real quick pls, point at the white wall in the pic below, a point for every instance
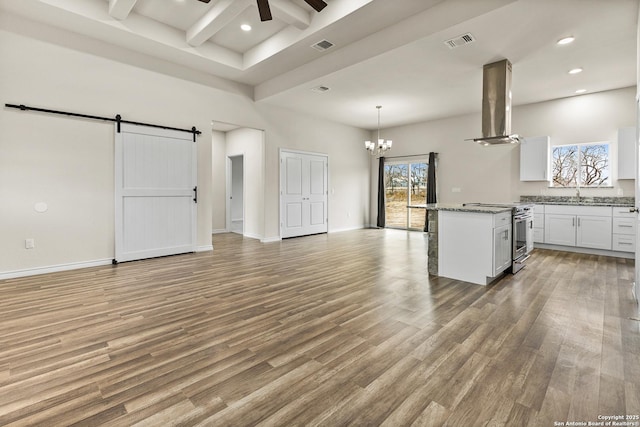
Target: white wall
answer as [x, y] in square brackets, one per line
[491, 174]
[68, 163]
[348, 166]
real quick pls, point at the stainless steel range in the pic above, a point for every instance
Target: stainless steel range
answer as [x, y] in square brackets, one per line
[522, 236]
[522, 231]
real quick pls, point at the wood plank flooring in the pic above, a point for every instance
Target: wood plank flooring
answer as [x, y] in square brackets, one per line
[333, 330]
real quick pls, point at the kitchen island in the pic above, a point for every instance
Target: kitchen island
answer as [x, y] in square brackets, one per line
[469, 243]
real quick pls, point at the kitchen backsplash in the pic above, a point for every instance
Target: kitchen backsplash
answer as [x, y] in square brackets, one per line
[582, 200]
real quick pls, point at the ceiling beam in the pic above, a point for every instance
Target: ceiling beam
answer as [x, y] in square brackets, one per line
[215, 19]
[289, 12]
[120, 9]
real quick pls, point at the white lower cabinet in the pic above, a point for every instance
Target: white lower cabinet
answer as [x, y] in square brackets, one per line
[593, 232]
[560, 229]
[624, 230]
[538, 223]
[581, 226]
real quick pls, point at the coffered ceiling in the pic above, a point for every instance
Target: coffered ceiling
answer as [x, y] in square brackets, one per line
[390, 53]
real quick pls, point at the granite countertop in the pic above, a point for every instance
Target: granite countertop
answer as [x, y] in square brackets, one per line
[461, 208]
[582, 201]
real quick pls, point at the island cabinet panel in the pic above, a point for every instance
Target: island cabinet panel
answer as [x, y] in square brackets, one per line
[502, 249]
[473, 247]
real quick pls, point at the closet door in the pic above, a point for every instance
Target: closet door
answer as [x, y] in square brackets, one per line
[303, 194]
[155, 188]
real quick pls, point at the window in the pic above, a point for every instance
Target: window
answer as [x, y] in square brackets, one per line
[405, 185]
[581, 165]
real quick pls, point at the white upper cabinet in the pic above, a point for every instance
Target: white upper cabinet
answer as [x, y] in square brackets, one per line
[534, 158]
[627, 153]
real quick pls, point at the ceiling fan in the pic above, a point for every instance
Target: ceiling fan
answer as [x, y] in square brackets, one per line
[265, 10]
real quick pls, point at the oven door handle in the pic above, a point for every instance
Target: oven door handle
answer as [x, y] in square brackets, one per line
[521, 260]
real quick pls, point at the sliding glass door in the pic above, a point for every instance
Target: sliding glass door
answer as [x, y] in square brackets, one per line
[405, 188]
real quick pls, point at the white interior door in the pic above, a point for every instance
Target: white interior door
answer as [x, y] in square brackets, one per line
[156, 194]
[303, 194]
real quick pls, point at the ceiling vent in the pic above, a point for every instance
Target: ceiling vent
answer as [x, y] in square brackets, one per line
[460, 40]
[322, 45]
[320, 89]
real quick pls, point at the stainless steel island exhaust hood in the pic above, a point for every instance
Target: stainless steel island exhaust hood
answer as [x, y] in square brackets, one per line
[496, 105]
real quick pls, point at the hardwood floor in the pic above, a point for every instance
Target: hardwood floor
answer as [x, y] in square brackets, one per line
[338, 329]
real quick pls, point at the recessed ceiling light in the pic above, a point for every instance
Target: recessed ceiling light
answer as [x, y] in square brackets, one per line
[581, 91]
[245, 27]
[566, 40]
[575, 71]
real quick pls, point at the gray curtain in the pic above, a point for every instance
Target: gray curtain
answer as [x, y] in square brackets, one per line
[381, 215]
[431, 187]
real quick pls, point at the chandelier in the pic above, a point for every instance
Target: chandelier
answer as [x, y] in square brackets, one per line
[382, 145]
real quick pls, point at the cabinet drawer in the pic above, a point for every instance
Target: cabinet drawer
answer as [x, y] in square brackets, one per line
[578, 210]
[538, 209]
[624, 243]
[624, 226]
[623, 212]
[502, 218]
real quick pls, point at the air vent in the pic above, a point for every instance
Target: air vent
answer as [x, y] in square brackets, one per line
[460, 40]
[320, 89]
[322, 45]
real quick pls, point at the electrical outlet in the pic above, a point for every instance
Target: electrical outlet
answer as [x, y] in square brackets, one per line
[456, 190]
[29, 243]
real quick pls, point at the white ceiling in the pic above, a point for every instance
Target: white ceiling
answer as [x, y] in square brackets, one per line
[386, 52]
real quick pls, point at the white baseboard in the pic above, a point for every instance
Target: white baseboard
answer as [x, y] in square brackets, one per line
[271, 239]
[628, 255]
[53, 268]
[219, 231]
[204, 248]
[340, 230]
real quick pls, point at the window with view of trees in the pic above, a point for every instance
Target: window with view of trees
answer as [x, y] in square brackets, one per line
[406, 184]
[581, 165]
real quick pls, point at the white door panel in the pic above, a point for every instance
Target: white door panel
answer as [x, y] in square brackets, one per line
[294, 215]
[317, 213]
[317, 186]
[293, 173]
[303, 194]
[155, 181]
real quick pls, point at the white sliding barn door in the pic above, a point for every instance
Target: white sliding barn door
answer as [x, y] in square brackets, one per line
[155, 188]
[303, 194]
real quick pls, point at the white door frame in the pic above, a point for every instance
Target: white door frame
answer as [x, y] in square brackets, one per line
[280, 189]
[229, 191]
[636, 283]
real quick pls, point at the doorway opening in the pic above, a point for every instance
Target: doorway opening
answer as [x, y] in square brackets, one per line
[235, 202]
[405, 186]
